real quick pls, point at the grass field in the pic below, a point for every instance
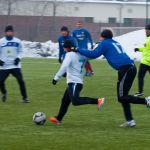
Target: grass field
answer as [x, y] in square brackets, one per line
[83, 128]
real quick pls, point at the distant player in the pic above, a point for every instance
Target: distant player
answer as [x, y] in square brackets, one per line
[10, 56]
[83, 37]
[145, 62]
[73, 65]
[65, 35]
[121, 62]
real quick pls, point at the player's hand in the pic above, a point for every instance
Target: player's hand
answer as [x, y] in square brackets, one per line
[1, 63]
[136, 49]
[64, 75]
[59, 60]
[16, 61]
[54, 82]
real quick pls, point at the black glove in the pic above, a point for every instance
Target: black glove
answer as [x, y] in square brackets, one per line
[16, 62]
[54, 82]
[1, 63]
[92, 46]
[59, 60]
[136, 49]
[64, 75]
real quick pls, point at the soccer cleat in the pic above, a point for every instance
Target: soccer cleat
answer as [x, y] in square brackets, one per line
[54, 120]
[26, 100]
[89, 74]
[4, 97]
[138, 94]
[147, 99]
[101, 102]
[128, 124]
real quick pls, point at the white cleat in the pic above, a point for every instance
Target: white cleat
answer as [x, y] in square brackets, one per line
[128, 124]
[148, 101]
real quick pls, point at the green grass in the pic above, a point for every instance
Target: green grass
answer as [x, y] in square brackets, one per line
[83, 128]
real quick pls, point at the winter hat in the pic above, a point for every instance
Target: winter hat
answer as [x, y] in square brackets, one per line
[68, 44]
[9, 28]
[147, 27]
[107, 34]
[64, 28]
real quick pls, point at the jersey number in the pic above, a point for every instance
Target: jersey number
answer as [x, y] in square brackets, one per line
[118, 48]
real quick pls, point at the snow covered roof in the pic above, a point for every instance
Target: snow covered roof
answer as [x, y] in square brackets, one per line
[138, 2]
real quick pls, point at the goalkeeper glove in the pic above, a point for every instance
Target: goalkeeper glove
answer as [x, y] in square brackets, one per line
[1, 63]
[136, 49]
[16, 61]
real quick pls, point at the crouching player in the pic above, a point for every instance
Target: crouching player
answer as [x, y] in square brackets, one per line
[73, 65]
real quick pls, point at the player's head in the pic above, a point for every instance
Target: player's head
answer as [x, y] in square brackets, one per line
[9, 31]
[106, 34]
[64, 31]
[79, 24]
[147, 30]
[68, 45]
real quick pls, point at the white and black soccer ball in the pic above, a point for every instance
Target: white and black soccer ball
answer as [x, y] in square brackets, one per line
[39, 118]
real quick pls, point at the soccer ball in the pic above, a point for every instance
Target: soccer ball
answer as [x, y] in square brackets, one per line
[39, 118]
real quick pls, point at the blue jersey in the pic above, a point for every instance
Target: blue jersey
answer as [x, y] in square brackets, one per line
[112, 51]
[83, 37]
[61, 41]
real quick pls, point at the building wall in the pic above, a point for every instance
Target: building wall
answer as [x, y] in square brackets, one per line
[99, 11]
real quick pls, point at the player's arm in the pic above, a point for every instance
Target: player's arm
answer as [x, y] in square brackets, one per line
[98, 51]
[146, 46]
[1, 59]
[63, 68]
[19, 53]
[89, 37]
[20, 50]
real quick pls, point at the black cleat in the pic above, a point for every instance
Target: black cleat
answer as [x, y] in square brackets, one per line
[4, 98]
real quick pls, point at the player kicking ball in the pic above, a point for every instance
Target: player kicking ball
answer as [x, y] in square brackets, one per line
[73, 65]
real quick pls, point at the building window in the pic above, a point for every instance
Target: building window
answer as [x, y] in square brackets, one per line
[112, 20]
[88, 19]
[128, 21]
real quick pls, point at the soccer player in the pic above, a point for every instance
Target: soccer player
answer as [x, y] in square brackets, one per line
[145, 62]
[83, 36]
[10, 56]
[62, 38]
[73, 65]
[120, 61]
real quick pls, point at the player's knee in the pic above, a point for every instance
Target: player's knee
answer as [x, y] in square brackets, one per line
[75, 102]
[21, 81]
[121, 99]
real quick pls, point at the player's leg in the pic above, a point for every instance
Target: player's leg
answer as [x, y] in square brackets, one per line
[74, 91]
[18, 75]
[3, 76]
[141, 75]
[65, 102]
[89, 70]
[125, 79]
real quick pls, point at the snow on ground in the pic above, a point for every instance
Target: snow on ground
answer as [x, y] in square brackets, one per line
[49, 49]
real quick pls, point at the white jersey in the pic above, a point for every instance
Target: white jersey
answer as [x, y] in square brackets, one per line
[9, 51]
[72, 65]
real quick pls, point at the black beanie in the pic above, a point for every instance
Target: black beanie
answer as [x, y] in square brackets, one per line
[64, 28]
[107, 34]
[68, 44]
[9, 28]
[147, 27]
